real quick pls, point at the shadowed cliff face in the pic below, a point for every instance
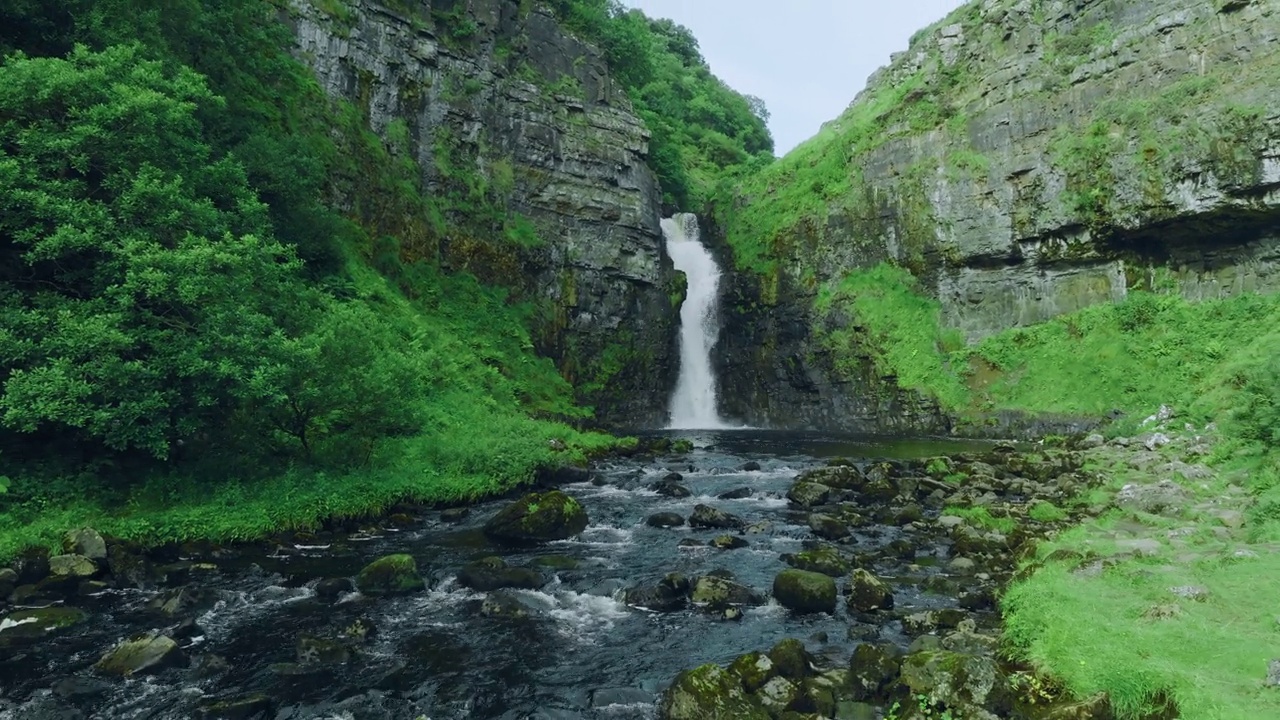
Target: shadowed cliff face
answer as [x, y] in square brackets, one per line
[502, 102]
[1023, 159]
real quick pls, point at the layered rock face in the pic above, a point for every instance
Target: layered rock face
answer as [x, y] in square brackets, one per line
[502, 91]
[1025, 159]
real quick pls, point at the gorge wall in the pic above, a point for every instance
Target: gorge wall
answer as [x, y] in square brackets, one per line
[1022, 159]
[497, 93]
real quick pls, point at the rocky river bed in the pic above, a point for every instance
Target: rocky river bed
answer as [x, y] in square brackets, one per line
[801, 575]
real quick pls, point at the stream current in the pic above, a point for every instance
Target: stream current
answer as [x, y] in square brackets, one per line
[583, 653]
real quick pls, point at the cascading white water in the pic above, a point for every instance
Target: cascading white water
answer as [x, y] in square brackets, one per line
[693, 406]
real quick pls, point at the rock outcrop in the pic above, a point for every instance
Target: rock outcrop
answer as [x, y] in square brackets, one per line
[499, 91]
[1023, 159]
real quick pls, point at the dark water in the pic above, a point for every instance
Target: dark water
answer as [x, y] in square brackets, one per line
[584, 654]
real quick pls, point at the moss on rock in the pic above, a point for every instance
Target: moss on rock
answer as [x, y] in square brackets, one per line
[709, 693]
[805, 592]
[538, 517]
[390, 575]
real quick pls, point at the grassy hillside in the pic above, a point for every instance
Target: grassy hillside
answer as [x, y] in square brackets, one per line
[196, 342]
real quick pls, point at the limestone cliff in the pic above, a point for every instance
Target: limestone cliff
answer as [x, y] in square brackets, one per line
[497, 92]
[1023, 159]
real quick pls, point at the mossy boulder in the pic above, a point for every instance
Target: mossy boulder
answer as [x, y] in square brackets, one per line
[36, 623]
[951, 679]
[718, 592]
[240, 708]
[866, 593]
[390, 575]
[705, 516]
[315, 650]
[77, 566]
[872, 670]
[753, 670]
[825, 559]
[841, 477]
[791, 660]
[805, 592]
[87, 542]
[708, 693]
[142, 655]
[492, 573]
[538, 517]
[808, 494]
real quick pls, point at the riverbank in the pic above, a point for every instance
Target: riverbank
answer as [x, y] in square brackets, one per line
[456, 466]
[1134, 576]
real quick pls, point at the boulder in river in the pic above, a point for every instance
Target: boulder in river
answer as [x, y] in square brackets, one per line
[664, 520]
[728, 542]
[705, 516]
[314, 650]
[142, 655]
[840, 477]
[718, 592]
[181, 601]
[866, 593]
[77, 566]
[960, 682]
[390, 575]
[87, 542]
[736, 494]
[827, 527]
[668, 595]
[708, 693]
[492, 573]
[824, 558]
[505, 604]
[244, 707]
[872, 670]
[35, 623]
[331, 588]
[671, 488]
[805, 592]
[538, 517]
[808, 494]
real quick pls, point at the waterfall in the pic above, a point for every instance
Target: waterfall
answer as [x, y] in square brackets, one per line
[693, 406]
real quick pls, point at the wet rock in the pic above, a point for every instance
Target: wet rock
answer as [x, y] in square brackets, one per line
[1273, 673]
[879, 490]
[902, 549]
[360, 630]
[840, 477]
[667, 595]
[1093, 440]
[8, 581]
[142, 655]
[736, 494]
[808, 494]
[717, 592]
[968, 642]
[962, 566]
[750, 466]
[77, 566]
[828, 527]
[705, 516]
[690, 543]
[867, 593]
[1163, 498]
[729, 614]
[36, 623]
[454, 515]
[209, 665]
[753, 670]
[538, 517]
[961, 682]
[805, 592]
[729, 542]
[873, 669]
[504, 604]
[331, 589]
[87, 542]
[390, 575]
[908, 514]
[791, 660]
[247, 707]
[128, 564]
[665, 520]
[708, 693]
[314, 650]
[671, 488]
[759, 528]
[492, 573]
[825, 559]
[181, 601]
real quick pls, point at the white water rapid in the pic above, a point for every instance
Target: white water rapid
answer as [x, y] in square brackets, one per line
[693, 406]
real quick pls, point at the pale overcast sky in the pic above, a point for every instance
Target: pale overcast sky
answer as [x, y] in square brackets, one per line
[805, 58]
